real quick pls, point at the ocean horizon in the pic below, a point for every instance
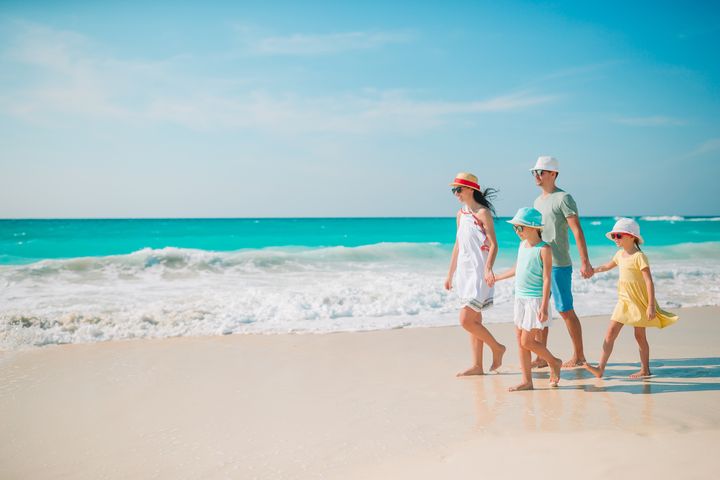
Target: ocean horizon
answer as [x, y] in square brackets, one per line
[88, 280]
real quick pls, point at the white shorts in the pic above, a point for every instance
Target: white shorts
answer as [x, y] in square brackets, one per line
[526, 314]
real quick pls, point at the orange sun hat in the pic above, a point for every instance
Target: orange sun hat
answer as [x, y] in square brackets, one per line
[464, 179]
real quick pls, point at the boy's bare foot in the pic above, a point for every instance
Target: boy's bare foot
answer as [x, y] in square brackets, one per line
[574, 362]
[641, 374]
[497, 358]
[538, 363]
[597, 371]
[474, 370]
[521, 387]
[555, 374]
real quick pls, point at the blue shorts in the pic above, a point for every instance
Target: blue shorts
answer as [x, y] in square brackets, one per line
[561, 288]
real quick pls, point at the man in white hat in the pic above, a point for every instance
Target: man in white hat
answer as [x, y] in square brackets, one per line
[559, 212]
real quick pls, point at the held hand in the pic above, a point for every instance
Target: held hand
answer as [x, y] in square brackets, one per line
[489, 277]
[448, 283]
[651, 312]
[542, 314]
[587, 270]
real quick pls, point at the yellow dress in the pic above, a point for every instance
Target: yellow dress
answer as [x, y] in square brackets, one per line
[631, 308]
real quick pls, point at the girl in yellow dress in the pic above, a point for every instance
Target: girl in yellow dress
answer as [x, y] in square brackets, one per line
[636, 305]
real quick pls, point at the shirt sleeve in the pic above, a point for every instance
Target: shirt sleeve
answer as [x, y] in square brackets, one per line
[568, 206]
[641, 261]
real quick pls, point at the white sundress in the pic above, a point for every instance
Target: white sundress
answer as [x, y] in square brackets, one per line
[473, 251]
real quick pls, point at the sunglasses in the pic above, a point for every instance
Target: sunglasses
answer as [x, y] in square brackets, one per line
[617, 236]
[537, 173]
[518, 228]
[456, 190]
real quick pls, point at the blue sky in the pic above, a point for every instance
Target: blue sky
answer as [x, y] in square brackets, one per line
[245, 109]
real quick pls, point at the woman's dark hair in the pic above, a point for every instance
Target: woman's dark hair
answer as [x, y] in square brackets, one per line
[483, 198]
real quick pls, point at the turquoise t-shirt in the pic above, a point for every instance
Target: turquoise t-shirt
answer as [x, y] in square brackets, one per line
[555, 209]
[529, 271]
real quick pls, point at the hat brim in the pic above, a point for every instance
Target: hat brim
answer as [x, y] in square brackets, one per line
[639, 238]
[461, 185]
[546, 169]
[515, 222]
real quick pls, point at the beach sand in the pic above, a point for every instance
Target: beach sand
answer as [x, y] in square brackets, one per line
[370, 405]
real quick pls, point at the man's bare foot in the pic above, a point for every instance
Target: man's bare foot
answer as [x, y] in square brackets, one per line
[597, 371]
[521, 387]
[555, 374]
[497, 358]
[574, 362]
[538, 363]
[641, 374]
[474, 370]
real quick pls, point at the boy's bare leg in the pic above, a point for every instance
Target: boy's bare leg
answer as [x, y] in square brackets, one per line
[608, 344]
[525, 356]
[641, 337]
[529, 342]
[541, 337]
[477, 349]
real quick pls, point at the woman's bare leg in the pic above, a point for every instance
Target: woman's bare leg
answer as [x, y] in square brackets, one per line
[472, 322]
[477, 349]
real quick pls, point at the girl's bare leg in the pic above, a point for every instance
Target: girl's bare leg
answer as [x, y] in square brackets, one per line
[529, 342]
[472, 322]
[608, 344]
[477, 349]
[527, 383]
[641, 338]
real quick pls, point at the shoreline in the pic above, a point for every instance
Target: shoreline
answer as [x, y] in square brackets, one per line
[370, 404]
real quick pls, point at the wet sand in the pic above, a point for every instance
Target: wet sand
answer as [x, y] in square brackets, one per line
[359, 405]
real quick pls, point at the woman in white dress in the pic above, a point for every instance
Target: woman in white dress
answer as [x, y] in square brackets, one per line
[471, 267]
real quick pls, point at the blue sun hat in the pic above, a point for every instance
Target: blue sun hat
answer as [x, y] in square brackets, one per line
[528, 217]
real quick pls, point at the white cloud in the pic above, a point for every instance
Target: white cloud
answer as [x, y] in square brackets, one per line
[651, 121]
[73, 80]
[322, 44]
[708, 146]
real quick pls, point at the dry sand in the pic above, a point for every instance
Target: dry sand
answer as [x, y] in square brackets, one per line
[359, 405]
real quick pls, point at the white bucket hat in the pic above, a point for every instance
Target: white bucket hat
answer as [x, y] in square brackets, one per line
[627, 226]
[545, 162]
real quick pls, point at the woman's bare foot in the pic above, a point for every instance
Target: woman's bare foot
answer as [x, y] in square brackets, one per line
[521, 387]
[555, 373]
[597, 371]
[474, 370]
[641, 374]
[497, 358]
[574, 362]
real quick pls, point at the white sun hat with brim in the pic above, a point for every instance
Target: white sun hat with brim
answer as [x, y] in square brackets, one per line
[546, 162]
[627, 226]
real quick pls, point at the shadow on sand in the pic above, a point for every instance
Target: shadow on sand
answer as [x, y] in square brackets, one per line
[669, 376]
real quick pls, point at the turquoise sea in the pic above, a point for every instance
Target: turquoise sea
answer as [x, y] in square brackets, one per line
[67, 281]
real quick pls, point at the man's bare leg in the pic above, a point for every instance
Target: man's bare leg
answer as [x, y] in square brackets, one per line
[572, 322]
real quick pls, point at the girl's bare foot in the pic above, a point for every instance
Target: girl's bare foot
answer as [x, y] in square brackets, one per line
[574, 362]
[597, 371]
[521, 387]
[497, 358]
[641, 374]
[555, 374]
[474, 370]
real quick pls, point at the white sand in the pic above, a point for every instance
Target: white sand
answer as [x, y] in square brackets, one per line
[358, 405]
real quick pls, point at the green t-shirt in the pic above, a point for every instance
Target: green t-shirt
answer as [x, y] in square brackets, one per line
[555, 209]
